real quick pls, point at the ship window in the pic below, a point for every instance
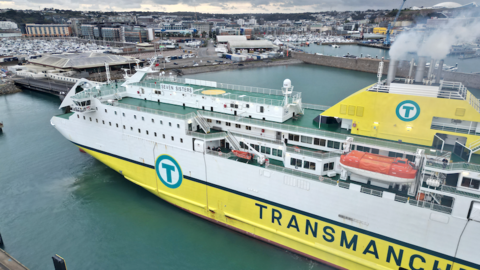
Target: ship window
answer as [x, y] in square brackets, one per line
[116, 125]
[123, 126]
[228, 124]
[276, 152]
[153, 121]
[257, 148]
[103, 122]
[146, 132]
[134, 117]
[209, 120]
[131, 128]
[105, 110]
[84, 117]
[409, 157]
[164, 136]
[395, 154]
[265, 150]
[181, 140]
[247, 105]
[78, 116]
[336, 145]
[218, 122]
[328, 166]
[96, 120]
[306, 139]
[296, 162]
[178, 125]
[110, 123]
[375, 151]
[155, 134]
[161, 122]
[294, 137]
[248, 127]
[115, 112]
[232, 105]
[143, 118]
[170, 123]
[139, 131]
[123, 114]
[238, 125]
[470, 183]
[172, 138]
[320, 142]
[90, 119]
[309, 165]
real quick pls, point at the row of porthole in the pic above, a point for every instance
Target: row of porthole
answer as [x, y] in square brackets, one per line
[143, 119]
[131, 128]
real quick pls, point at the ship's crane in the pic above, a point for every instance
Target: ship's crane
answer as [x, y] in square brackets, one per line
[387, 38]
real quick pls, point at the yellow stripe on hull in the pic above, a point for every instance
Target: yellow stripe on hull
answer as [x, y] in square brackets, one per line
[314, 237]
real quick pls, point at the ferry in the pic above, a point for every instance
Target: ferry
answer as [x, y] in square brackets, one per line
[264, 163]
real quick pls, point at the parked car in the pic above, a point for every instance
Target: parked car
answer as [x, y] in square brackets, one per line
[175, 63]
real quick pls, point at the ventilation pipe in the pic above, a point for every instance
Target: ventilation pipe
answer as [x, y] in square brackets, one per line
[392, 71]
[439, 71]
[420, 69]
[433, 62]
[410, 78]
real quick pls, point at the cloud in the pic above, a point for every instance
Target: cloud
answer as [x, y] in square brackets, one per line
[238, 6]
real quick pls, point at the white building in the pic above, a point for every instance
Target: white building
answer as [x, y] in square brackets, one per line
[8, 25]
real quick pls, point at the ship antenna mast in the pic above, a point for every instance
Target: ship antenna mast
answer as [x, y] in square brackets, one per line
[287, 90]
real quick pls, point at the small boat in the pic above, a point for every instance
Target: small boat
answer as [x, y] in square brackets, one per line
[242, 154]
[335, 46]
[382, 168]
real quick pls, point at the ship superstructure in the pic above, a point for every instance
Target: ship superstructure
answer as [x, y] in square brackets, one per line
[261, 162]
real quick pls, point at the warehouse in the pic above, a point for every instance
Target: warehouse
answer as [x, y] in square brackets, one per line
[251, 45]
[224, 39]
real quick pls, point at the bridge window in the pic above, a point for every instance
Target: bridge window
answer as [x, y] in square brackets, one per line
[178, 125]
[146, 132]
[90, 119]
[172, 138]
[110, 123]
[103, 122]
[134, 117]
[328, 166]
[105, 110]
[96, 120]
[164, 136]
[161, 122]
[123, 114]
[248, 127]
[153, 121]
[170, 123]
[84, 117]
[228, 124]
[218, 122]
[209, 120]
[116, 125]
[139, 131]
[181, 140]
[123, 126]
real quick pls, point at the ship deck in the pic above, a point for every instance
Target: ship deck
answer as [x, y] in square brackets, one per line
[198, 89]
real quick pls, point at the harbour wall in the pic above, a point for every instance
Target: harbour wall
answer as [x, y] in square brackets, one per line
[253, 64]
[470, 80]
[8, 88]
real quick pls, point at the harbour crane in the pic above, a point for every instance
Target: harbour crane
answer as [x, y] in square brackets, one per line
[387, 38]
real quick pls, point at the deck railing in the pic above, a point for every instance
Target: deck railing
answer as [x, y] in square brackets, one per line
[209, 136]
[319, 155]
[104, 90]
[460, 93]
[455, 166]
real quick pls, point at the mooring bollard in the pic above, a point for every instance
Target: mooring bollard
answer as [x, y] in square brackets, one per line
[59, 263]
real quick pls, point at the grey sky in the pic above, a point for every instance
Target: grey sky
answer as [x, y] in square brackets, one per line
[218, 6]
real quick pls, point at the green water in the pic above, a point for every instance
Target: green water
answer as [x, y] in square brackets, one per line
[56, 200]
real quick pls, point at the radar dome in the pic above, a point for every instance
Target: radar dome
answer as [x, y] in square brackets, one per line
[287, 83]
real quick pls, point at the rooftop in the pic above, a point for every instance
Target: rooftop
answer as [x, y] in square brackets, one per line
[81, 60]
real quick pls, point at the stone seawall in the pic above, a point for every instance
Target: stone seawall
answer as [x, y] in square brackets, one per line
[253, 64]
[8, 88]
[371, 66]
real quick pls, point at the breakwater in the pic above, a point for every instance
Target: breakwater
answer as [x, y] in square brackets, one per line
[371, 66]
[8, 88]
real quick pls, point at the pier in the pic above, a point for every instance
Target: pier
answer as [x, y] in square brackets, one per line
[7, 262]
[57, 88]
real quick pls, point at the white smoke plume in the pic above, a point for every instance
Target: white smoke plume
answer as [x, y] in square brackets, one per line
[436, 43]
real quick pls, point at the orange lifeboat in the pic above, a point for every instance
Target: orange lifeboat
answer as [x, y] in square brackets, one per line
[242, 154]
[387, 169]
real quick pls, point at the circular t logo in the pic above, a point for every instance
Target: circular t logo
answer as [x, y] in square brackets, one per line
[408, 110]
[168, 171]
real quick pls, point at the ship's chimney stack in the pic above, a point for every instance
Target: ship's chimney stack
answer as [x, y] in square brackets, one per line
[392, 71]
[422, 61]
[439, 71]
[410, 72]
[433, 63]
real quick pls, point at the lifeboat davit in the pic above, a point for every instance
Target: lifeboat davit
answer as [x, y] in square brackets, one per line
[386, 169]
[242, 154]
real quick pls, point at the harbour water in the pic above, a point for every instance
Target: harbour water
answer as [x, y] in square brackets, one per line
[56, 200]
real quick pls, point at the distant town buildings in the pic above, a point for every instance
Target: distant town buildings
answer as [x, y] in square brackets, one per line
[48, 30]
